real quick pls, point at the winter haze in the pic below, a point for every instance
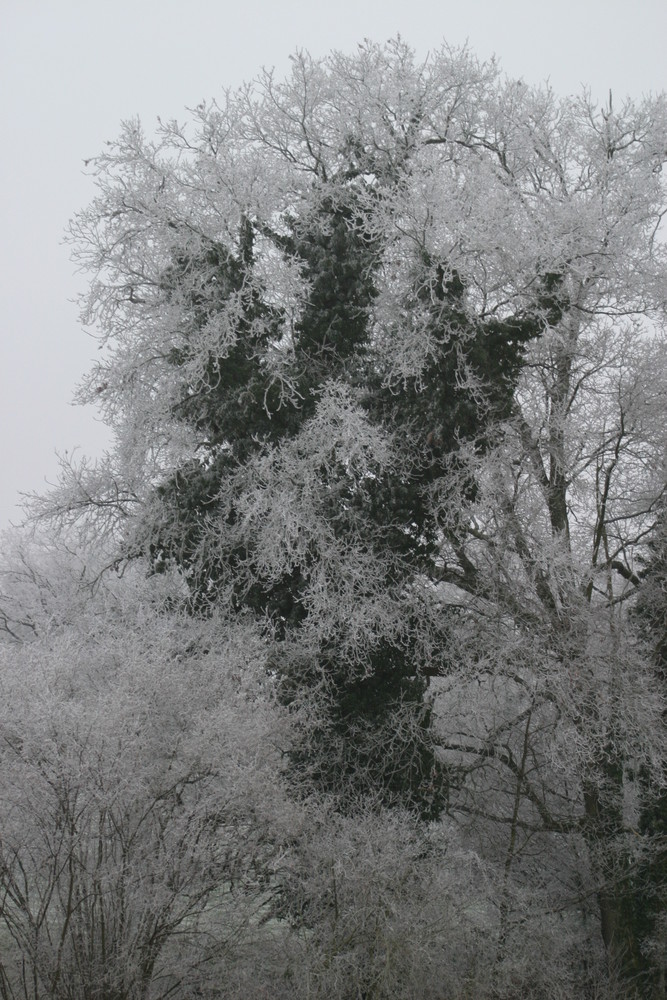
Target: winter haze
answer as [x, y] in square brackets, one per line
[71, 71]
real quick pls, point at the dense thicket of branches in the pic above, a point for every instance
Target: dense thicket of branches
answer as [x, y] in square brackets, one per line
[385, 358]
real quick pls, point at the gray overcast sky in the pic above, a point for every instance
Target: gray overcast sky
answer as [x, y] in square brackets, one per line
[71, 70]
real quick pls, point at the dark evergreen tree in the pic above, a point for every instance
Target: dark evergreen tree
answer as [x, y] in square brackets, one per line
[238, 412]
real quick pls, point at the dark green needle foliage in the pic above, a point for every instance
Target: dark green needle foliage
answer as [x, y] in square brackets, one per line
[373, 740]
[228, 405]
[434, 415]
[338, 263]
[375, 737]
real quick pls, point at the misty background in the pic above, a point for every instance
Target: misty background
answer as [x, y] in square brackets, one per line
[71, 71]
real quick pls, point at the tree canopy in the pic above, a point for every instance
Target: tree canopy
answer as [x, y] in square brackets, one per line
[384, 353]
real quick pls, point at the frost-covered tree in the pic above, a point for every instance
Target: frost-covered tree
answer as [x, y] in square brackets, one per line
[134, 753]
[49, 579]
[385, 360]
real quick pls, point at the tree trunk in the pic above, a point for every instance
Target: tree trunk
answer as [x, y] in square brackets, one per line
[610, 864]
